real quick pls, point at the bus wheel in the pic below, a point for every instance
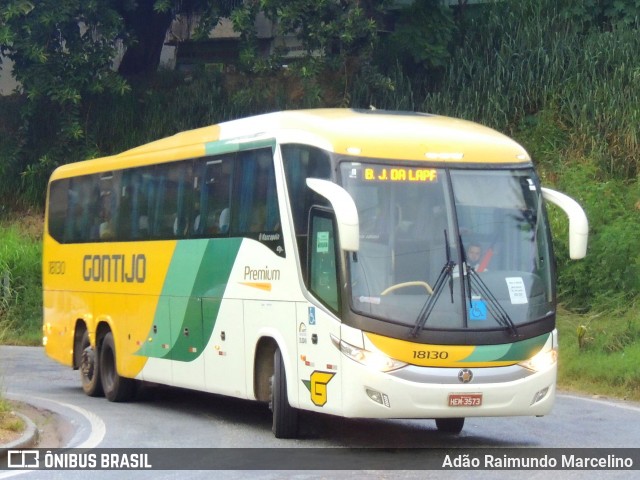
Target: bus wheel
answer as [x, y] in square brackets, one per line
[116, 388]
[89, 367]
[285, 417]
[450, 425]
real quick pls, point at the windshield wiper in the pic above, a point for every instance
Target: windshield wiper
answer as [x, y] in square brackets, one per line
[493, 304]
[445, 273]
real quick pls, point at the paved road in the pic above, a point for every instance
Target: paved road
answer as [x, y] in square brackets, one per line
[164, 417]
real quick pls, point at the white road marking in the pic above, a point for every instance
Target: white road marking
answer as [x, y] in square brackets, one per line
[609, 403]
[97, 427]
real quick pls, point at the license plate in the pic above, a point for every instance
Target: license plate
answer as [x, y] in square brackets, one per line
[465, 399]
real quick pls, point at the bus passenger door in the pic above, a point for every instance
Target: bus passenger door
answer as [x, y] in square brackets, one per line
[318, 360]
[318, 357]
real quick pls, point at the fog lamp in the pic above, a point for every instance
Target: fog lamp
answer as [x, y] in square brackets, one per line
[378, 397]
[540, 395]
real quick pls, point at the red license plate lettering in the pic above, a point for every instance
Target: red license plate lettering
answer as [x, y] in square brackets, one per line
[465, 399]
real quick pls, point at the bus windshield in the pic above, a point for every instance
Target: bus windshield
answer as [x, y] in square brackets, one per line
[449, 249]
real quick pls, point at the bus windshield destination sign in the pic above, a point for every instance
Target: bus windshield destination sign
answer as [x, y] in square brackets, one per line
[379, 173]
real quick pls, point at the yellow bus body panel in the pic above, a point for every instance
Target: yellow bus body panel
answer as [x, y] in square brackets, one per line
[69, 297]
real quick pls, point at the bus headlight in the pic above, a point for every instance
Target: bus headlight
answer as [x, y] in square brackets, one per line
[373, 359]
[543, 360]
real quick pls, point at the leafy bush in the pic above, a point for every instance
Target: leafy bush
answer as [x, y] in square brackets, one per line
[610, 274]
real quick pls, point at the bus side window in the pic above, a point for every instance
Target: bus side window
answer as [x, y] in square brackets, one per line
[75, 207]
[302, 162]
[108, 209]
[173, 204]
[323, 274]
[74, 213]
[58, 207]
[212, 191]
[126, 193]
[255, 194]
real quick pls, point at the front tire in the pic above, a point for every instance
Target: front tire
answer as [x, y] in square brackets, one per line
[89, 367]
[116, 388]
[285, 417]
[450, 425]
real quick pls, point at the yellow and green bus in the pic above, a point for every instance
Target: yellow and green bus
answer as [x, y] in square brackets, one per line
[357, 263]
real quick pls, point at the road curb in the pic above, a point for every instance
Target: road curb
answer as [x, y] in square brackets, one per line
[28, 439]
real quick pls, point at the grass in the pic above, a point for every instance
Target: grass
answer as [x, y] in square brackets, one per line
[21, 280]
[11, 427]
[8, 421]
[599, 353]
[522, 57]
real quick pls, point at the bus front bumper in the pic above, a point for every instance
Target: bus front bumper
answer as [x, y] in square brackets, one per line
[447, 392]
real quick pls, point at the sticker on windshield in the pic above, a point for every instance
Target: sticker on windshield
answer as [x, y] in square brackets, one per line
[322, 242]
[373, 300]
[532, 186]
[517, 290]
[478, 310]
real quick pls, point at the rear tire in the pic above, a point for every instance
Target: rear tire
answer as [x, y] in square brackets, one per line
[89, 367]
[450, 425]
[116, 388]
[285, 417]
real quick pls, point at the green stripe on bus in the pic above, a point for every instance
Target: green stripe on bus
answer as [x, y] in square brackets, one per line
[527, 348]
[237, 144]
[206, 295]
[515, 352]
[188, 307]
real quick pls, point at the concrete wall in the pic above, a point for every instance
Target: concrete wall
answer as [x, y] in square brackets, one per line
[7, 83]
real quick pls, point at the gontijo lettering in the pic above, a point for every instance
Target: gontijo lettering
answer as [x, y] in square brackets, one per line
[115, 268]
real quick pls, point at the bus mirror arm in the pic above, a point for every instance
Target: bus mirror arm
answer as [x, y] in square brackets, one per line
[345, 211]
[578, 223]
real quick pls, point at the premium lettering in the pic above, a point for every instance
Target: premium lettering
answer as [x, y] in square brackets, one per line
[265, 273]
[115, 268]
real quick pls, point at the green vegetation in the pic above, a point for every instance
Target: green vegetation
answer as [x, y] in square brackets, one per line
[599, 354]
[10, 424]
[20, 281]
[561, 78]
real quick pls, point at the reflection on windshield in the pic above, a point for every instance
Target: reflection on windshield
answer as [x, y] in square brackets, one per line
[421, 227]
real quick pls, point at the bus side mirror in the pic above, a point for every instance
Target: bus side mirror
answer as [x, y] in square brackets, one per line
[345, 211]
[578, 223]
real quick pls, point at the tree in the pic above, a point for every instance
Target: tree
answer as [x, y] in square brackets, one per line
[62, 51]
[422, 37]
[338, 38]
[147, 23]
